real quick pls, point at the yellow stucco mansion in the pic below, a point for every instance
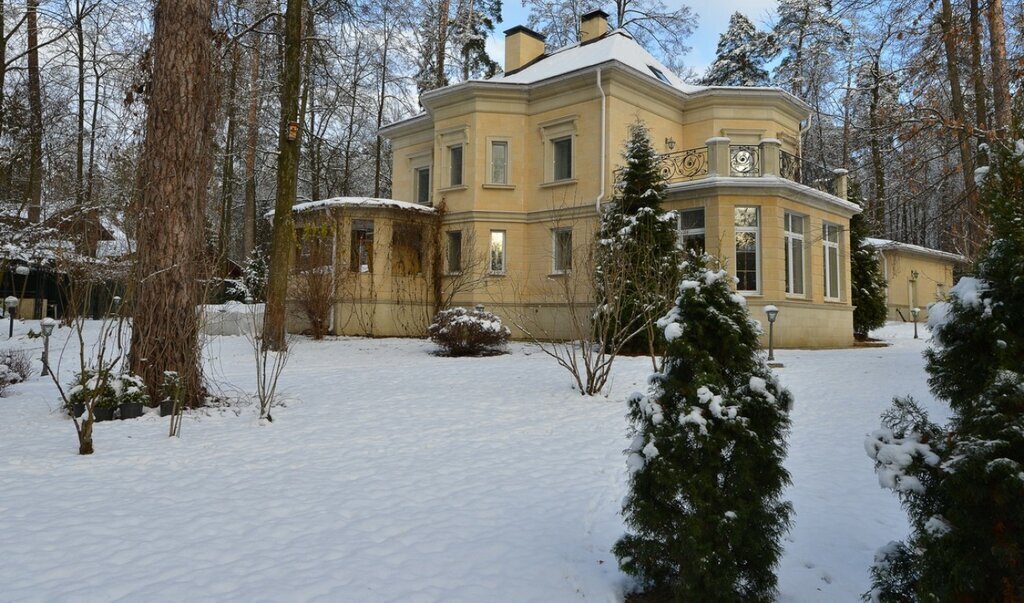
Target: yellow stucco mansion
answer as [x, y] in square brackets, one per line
[498, 181]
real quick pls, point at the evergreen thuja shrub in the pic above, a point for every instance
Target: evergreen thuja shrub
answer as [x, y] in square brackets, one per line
[962, 484]
[462, 332]
[867, 281]
[636, 246]
[704, 509]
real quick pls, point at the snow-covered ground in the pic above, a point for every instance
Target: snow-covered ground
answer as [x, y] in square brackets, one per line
[396, 475]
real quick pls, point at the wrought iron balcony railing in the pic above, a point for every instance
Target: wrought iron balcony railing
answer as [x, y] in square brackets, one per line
[684, 165]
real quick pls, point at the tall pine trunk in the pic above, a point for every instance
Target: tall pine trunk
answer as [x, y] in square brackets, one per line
[252, 141]
[174, 173]
[227, 187]
[34, 196]
[287, 178]
[949, 39]
[1000, 70]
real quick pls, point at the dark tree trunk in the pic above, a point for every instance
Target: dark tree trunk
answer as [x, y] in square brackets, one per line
[34, 196]
[949, 38]
[252, 140]
[287, 178]
[227, 187]
[1000, 70]
[174, 173]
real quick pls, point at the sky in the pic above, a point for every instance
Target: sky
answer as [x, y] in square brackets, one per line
[713, 19]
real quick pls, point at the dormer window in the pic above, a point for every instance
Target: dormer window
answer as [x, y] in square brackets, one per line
[659, 74]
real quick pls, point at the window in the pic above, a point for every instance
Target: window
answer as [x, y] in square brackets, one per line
[830, 239]
[747, 220]
[499, 162]
[691, 230]
[454, 251]
[423, 185]
[658, 74]
[455, 165]
[794, 254]
[562, 153]
[498, 251]
[561, 243]
[406, 249]
[362, 246]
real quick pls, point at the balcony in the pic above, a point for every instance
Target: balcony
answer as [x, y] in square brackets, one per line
[721, 158]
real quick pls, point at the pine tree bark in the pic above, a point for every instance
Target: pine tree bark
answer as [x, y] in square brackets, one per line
[227, 187]
[287, 178]
[1000, 70]
[34, 195]
[251, 143]
[949, 39]
[175, 169]
[977, 68]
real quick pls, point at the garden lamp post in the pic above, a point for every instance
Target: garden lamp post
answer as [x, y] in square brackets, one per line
[914, 312]
[772, 313]
[116, 303]
[11, 303]
[46, 326]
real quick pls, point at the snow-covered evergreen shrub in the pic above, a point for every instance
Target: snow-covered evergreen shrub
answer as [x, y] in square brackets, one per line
[705, 507]
[462, 332]
[253, 284]
[867, 281]
[114, 390]
[636, 244]
[962, 484]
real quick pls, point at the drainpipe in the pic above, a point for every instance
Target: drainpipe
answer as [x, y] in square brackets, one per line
[334, 276]
[604, 103]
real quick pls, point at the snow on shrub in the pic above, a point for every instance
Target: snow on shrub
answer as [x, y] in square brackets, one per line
[462, 332]
[15, 367]
[124, 388]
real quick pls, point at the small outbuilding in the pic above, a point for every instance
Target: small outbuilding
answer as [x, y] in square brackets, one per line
[915, 276]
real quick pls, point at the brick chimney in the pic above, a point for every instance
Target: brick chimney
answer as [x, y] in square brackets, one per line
[593, 25]
[522, 45]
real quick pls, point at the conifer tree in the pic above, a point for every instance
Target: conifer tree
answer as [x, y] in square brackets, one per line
[741, 57]
[640, 238]
[705, 507]
[961, 484]
[867, 280]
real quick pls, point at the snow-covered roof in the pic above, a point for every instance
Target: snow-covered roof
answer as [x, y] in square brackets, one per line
[367, 202]
[872, 243]
[616, 45]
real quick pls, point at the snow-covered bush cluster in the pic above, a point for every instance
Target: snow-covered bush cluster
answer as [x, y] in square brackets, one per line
[962, 484]
[462, 332]
[705, 507]
[15, 367]
[108, 390]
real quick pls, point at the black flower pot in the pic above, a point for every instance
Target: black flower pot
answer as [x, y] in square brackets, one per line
[131, 410]
[166, 408]
[77, 409]
[103, 414]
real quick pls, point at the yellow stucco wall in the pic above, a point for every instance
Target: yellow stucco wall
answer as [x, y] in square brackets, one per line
[934, 277]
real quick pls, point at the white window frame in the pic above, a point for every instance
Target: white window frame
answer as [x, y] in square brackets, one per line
[449, 150]
[416, 184]
[418, 161]
[448, 252]
[826, 246]
[556, 251]
[789, 237]
[554, 158]
[507, 143]
[504, 252]
[552, 132]
[756, 231]
[685, 233]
